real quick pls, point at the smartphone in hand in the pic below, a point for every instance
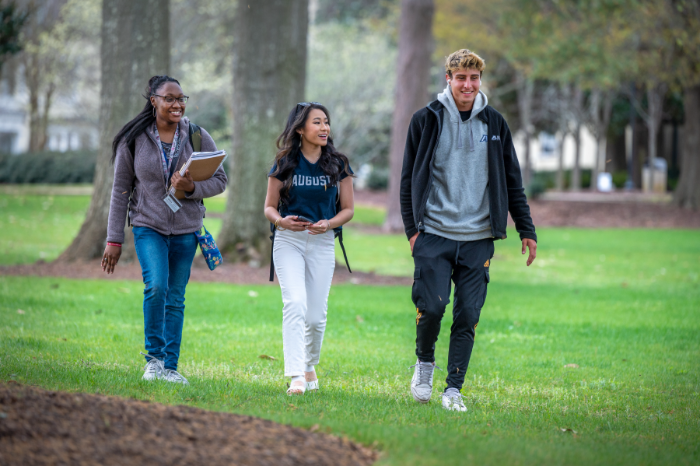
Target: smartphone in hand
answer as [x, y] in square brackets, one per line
[301, 218]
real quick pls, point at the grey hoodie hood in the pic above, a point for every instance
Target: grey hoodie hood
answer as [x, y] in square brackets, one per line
[480, 103]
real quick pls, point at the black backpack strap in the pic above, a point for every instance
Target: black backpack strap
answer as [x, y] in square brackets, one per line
[339, 235]
[272, 254]
[195, 137]
[196, 142]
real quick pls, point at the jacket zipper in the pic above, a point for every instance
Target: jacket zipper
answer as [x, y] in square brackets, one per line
[171, 214]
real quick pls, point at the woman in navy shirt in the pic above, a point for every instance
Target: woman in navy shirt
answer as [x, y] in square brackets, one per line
[307, 183]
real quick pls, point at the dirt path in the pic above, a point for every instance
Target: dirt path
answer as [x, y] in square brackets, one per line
[39, 427]
[226, 273]
[588, 210]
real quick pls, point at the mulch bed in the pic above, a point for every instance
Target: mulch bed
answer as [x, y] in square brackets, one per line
[39, 427]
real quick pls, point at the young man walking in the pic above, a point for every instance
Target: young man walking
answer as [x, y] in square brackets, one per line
[460, 178]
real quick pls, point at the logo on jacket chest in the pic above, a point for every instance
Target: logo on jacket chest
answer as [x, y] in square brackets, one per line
[485, 138]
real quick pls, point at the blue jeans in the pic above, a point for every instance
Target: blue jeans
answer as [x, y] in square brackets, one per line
[165, 264]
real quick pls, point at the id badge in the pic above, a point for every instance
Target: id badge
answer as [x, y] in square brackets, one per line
[172, 202]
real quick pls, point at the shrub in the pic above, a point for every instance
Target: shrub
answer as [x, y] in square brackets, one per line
[48, 167]
[378, 179]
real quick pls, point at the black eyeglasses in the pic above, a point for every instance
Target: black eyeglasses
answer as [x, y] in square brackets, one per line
[306, 104]
[170, 99]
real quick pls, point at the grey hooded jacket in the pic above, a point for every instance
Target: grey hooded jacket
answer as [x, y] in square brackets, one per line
[458, 204]
[144, 172]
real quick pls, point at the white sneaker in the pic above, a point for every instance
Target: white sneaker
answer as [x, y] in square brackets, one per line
[422, 381]
[174, 377]
[154, 368]
[452, 400]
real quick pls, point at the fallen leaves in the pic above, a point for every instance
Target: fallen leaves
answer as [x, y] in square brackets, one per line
[572, 366]
[20, 311]
[314, 428]
[265, 356]
[567, 430]
[359, 319]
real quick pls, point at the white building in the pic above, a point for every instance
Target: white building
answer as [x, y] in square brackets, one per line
[70, 127]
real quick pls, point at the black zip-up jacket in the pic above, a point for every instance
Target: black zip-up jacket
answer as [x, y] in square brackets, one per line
[506, 192]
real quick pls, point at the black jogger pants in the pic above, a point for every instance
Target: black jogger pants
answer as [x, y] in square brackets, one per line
[439, 261]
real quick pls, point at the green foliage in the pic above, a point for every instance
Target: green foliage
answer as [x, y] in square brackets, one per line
[378, 179]
[624, 317]
[361, 111]
[48, 167]
[619, 178]
[11, 22]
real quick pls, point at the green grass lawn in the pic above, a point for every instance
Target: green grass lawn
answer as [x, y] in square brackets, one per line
[23, 208]
[621, 305]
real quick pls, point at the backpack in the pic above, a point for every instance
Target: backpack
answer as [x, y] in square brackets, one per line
[195, 133]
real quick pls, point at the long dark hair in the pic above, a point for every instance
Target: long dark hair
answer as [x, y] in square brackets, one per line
[331, 162]
[144, 119]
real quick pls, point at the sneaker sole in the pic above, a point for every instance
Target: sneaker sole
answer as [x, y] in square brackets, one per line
[420, 400]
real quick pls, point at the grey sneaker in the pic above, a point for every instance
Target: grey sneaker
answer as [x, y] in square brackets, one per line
[422, 381]
[174, 377]
[154, 368]
[452, 400]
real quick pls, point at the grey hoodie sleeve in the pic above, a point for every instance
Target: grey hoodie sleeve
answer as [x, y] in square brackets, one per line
[214, 185]
[119, 204]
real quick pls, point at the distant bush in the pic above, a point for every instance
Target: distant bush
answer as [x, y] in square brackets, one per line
[544, 180]
[378, 179]
[48, 167]
[619, 178]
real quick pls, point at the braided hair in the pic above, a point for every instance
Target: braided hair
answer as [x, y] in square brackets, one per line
[332, 162]
[144, 119]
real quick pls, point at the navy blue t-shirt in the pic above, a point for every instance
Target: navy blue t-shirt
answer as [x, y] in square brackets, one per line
[311, 194]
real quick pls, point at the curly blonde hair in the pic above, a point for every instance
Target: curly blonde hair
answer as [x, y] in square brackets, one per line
[463, 59]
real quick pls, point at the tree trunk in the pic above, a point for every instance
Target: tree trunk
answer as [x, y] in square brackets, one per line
[576, 170]
[601, 111]
[526, 90]
[413, 78]
[269, 75]
[578, 114]
[135, 46]
[560, 162]
[564, 118]
[595, 124]
[687, 193]
[31, 76]
[655, 96]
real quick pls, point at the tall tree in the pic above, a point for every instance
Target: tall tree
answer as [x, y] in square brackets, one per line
[412, 78]
[687, 39]
[269, 74]
[135, 46]
[598, 122]
[688, 192]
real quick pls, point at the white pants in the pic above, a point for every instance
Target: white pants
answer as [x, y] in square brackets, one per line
[304, 264]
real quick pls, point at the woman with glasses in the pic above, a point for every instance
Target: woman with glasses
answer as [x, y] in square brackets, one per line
[309, 195]
[147, 154]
